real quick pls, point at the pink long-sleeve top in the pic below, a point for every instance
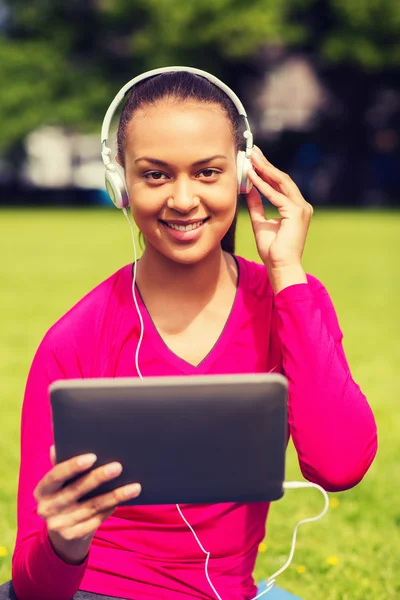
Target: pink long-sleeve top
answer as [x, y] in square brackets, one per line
[149, 552]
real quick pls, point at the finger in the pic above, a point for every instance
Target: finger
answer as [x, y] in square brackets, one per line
[70, 494]
[273, 183]
[278, 179]
[86, 529]
[259, 223]
[90, 508]
[59, 474]
[276, 198]
[283, 182]
[53, 455]
[255, 206]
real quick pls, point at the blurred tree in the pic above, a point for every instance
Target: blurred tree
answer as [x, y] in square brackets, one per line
[365, 33]
[61, 62]
[357, 44]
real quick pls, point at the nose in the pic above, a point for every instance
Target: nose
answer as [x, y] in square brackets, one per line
[183, 198]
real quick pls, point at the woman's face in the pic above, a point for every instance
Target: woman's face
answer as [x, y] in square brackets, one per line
[180, 170]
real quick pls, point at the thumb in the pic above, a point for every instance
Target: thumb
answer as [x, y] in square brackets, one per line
[255, 206]
[53, 455]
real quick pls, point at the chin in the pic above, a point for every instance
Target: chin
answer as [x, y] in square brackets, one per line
[188, 254]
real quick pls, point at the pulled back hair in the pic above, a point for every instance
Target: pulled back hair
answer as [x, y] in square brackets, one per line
[181, 86]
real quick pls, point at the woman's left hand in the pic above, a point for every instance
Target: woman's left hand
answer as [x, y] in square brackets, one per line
[280, 242]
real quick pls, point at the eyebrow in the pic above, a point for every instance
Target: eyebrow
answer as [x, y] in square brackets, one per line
[162, 163]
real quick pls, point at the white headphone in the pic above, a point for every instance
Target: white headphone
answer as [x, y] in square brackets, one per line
[115, 183]
[114, 174]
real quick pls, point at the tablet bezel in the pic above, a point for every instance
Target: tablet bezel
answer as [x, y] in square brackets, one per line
[253, 477]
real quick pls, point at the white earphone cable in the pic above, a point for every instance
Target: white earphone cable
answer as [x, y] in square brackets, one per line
[134, 295]
[287, 485]
[270, 582]
[202, 549]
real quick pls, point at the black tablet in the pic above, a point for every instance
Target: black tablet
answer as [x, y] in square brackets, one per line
[189, 439]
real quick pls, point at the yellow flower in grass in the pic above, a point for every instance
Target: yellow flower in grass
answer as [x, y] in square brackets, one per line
[333, 502]
[301, 569]
[332, 560]
[3, 551]
[262, 547]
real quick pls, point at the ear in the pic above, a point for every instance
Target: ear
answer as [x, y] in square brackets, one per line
[118, 160]
[115, 184]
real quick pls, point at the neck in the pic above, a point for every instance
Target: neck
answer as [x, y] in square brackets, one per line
[195, 281]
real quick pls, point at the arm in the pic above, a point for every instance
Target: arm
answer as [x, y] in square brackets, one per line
[37, 572]
[331, 423]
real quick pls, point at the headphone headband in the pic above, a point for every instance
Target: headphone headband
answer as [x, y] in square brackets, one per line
[114, 175]
[105, 129]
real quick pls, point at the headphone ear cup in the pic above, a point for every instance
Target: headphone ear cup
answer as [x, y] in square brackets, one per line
[115, 185]
[243, 166]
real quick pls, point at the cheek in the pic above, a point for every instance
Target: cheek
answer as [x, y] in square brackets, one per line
[145, 204]
[223, 201]
[144, 200]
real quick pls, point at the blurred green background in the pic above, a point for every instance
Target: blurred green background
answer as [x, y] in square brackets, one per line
[320, 81]
[51, 258]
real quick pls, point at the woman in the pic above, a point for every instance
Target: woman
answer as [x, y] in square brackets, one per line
[206, 311]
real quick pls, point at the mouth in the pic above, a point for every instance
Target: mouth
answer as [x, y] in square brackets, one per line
[181, 231]
[182, 226]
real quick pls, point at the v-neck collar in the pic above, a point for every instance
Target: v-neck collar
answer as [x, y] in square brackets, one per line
[162, 349]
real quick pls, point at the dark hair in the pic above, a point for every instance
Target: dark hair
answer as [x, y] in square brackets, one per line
[181, 85]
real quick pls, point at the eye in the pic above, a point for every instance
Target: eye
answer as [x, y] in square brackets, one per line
[209, 173]
[155, 176]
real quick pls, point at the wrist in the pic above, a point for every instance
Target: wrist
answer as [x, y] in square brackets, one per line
[283, 277]
[72, 552]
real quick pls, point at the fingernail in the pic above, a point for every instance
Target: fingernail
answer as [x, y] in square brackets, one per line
[257, 150]
[87, 460]
[113, 469]
[132, 489]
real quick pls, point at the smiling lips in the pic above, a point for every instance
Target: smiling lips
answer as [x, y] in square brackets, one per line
[185, 225]
[185, 230]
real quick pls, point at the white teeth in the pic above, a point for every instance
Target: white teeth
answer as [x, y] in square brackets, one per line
[185, 227]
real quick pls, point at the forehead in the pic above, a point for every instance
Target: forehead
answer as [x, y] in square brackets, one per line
[192, 126]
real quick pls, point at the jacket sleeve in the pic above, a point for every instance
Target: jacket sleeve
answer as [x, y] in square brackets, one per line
[37, 572]
[331, 423]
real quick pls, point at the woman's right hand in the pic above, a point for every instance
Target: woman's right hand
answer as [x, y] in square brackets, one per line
[71, 524]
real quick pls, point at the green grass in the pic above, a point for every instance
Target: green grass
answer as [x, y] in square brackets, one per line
[49, 259]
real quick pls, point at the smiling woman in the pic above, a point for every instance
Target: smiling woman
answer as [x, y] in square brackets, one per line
[184, 209]
[184, 194]
[205, 311]
[192, 189]
[191, 132]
